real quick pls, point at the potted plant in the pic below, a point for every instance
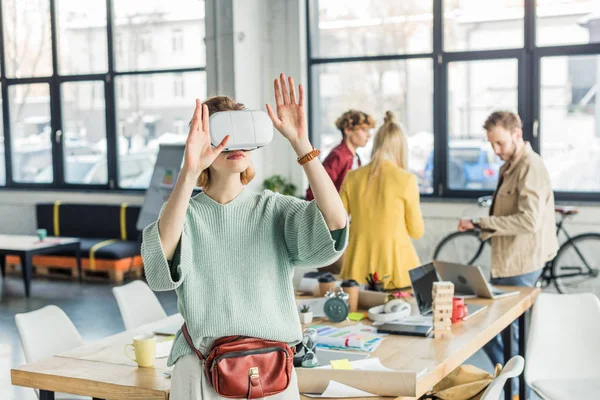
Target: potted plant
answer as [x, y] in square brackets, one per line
[277, 183]
[306, 315]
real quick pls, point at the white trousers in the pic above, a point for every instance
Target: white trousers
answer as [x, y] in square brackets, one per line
[189, 382]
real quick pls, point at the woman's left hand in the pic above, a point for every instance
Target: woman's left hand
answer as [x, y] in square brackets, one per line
[290, 120]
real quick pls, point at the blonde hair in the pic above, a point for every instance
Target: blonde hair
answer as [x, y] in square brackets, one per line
[389, 145]
[216, 104]
[353, 118]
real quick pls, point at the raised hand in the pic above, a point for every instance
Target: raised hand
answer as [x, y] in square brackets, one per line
[199, 153]
[290, 120]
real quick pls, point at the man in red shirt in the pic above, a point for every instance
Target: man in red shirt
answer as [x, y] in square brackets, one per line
[354, 126]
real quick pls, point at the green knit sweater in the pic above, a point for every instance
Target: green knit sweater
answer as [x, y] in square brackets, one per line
[233, 267]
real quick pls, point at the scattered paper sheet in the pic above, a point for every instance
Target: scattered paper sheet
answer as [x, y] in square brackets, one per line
[339, 390]
[163, 348]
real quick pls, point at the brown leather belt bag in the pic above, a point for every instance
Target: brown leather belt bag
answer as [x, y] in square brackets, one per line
[240, 367]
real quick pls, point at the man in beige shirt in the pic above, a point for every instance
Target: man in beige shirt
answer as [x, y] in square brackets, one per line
[522, 220]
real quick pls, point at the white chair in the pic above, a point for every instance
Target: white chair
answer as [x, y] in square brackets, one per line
[46, 332]
[512, 369]
[563, 350]
[138, 304]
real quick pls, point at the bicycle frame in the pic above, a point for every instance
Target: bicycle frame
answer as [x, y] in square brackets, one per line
[560, 228]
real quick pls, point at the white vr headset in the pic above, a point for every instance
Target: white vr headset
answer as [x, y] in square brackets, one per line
[248, 129]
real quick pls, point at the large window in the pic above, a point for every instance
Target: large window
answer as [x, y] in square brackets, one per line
[444, 65]
[475, 90]
[91, 89]
[404, 87]
[570, 121]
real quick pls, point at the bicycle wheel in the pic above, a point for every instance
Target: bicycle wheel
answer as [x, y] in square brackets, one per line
[460, 248]
[576, 266]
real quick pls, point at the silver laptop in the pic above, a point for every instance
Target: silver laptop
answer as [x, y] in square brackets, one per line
[422, 279]
[469, 281]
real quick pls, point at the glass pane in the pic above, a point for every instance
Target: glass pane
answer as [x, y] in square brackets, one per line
[373, 27]
[84, 132]
[404, 87]
[570, 122]
[27, 41]
[82, 36]
[483, 25]
[158, 34]
[30, 133]
[567, 22]
[475, 90]
[149, 112]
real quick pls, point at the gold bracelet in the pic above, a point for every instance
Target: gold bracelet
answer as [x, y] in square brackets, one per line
[308, 157]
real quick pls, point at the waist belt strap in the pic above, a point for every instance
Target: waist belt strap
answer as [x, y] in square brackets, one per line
[189, 341]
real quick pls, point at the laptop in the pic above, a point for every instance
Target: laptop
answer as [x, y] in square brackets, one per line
[422, 279]
[469, 281]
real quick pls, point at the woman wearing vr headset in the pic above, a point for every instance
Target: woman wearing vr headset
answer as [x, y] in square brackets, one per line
[229, 253]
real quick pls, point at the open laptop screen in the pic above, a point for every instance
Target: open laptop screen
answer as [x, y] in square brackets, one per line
[422, 279]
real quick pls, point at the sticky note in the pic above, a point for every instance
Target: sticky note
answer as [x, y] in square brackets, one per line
[341, 364]
[356, 316]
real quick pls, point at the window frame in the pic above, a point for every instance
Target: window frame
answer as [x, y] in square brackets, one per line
[54, 81]
[528, 88]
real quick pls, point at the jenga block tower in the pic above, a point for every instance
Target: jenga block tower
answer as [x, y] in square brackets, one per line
[442, 309]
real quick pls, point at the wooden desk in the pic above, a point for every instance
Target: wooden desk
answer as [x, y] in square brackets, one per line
[441, 357]
[102, 370]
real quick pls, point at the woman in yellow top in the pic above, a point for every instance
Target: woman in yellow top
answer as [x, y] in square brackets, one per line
[382, 200]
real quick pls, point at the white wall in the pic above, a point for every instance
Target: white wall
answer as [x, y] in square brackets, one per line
[260, 39]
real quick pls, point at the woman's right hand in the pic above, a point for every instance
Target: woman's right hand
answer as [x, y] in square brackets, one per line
[199, 153]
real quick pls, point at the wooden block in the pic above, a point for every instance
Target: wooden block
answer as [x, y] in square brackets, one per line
[442, 323]
[442, 306]
[440, 286]
[441, 317]
[442, 334]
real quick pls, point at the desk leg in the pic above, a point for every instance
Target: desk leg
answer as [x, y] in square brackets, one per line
[522, 349]
[26, 267]
[78, 259]
[507, 341]
[46, 395]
